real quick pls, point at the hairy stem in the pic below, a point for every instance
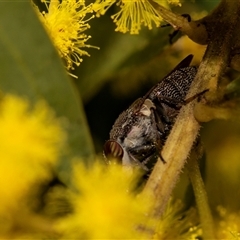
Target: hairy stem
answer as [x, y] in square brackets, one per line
[223, 24]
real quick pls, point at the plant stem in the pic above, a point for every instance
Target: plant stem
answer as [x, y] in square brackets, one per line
[201, 197]
[195, 30]
[222, 25]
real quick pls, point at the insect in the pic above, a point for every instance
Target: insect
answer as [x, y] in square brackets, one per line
[140, 132]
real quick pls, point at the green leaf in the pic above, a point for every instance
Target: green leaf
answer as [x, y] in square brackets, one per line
[30, 67]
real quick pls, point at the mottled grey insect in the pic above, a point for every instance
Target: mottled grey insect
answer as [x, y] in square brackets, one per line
[140, 132]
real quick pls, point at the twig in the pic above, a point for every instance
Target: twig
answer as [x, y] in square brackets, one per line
[200, 196]
[223, 23]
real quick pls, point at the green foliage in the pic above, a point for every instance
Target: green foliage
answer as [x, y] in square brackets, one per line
[30, 67]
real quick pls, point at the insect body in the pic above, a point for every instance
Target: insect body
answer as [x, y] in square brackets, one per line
[140, 132]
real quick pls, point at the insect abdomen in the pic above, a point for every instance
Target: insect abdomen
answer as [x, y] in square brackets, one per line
[175, 86]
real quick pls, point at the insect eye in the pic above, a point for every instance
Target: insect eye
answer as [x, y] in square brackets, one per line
[113, 149]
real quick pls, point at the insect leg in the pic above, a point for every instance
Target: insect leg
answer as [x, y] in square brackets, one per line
[188, 100]
[138, 163]
[174, 33]
[176, 103]
[157, 125]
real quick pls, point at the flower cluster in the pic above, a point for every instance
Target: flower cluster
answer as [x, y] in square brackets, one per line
[133, 14]
[31, 139]
[101, 201]
[104, 201]
[66, 22]
[106, 206]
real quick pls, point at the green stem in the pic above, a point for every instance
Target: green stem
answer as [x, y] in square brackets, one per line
[201, 197]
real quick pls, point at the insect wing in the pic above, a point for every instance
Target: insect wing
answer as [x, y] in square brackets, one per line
[139, 132]
[184, 63]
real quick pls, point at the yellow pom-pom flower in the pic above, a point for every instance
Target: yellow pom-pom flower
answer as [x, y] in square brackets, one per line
[133, 14]
[66, 21]
[30, 140]
[104, 205]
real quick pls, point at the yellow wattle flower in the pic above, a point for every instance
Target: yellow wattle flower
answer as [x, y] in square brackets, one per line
[101, 6]
[66, 22]
[104, 205]
[30, 142]
[133, 14]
